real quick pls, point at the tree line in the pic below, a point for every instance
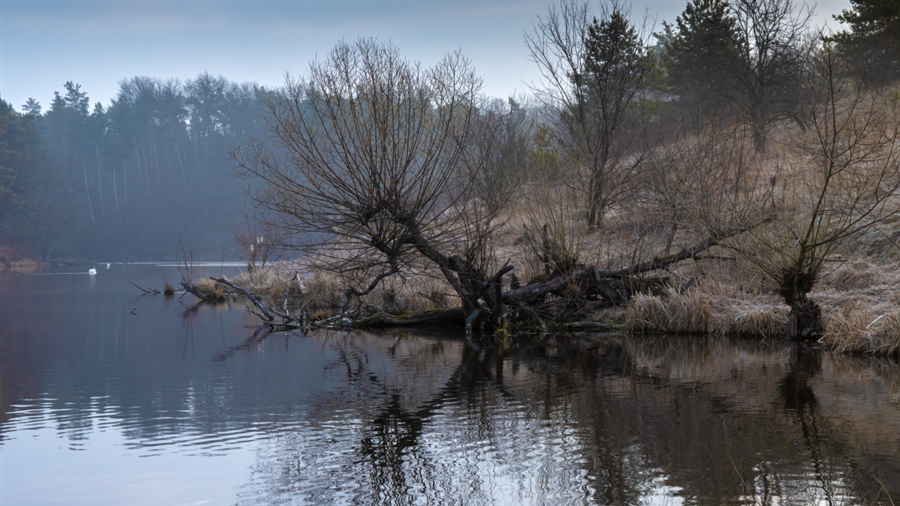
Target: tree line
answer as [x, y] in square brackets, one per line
[138, 180]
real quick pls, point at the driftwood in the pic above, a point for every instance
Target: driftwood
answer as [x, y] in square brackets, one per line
[146, 290]
[191, 289]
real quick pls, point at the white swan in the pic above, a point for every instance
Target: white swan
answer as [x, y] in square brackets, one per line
[107, 265]
[92, 272]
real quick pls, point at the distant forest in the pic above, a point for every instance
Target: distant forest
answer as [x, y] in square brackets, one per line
[140, 180]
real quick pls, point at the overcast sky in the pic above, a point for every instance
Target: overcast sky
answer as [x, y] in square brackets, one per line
[97, 43]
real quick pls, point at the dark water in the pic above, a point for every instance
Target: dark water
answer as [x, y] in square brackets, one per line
[173, 405]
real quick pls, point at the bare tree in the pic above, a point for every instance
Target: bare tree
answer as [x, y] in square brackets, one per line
[592, 71]
[772, 45]
[845, 179]
[700, 185]
[365, 167]
[497, 155]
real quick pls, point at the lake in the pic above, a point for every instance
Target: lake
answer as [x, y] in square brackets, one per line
[113, 397]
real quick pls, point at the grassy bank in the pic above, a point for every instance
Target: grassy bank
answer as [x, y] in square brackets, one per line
[860, 299]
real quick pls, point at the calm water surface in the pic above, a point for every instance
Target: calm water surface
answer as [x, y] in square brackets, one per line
[177, 404]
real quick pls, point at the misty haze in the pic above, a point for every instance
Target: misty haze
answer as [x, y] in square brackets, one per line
[461, 252]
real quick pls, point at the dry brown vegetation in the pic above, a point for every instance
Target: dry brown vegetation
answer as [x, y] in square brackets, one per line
[859, 291]
[386, 175]
[693, 188]
[11, 261]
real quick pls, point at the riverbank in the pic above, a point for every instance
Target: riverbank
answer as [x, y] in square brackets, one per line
[717, 295]
[12, 261]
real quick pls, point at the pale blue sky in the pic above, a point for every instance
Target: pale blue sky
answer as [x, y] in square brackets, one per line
[96, 43]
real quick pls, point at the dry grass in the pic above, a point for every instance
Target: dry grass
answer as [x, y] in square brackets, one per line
[646, 312]
[211, 290]
[752, 319]
[691, 311]
[263, 280]
[861, 307]
[858, 274]
[705, 309]
[743, 303]
[410, 295]
[860, 330]
[323, 292]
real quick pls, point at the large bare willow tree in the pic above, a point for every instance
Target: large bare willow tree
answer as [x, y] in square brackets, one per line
[847, 182]
[365, 164]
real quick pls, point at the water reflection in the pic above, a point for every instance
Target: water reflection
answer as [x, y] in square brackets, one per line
[573, 420]
[805, 363]
[229, 416]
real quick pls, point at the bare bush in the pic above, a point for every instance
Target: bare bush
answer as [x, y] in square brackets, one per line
[708, 184]
[372, 174]
[592, 70]
[842, 178]
[555, 235]
[497, 155]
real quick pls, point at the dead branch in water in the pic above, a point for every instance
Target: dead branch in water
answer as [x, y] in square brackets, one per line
[268, 312]
[192, 289]
[454, 317]
[150, 291]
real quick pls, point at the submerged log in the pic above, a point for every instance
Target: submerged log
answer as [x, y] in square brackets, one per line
[453, 317]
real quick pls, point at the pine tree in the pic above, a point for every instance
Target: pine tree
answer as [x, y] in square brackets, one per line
[702, 58]
[874, 38]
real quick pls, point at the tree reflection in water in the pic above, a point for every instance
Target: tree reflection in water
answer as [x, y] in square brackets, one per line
[574, 420]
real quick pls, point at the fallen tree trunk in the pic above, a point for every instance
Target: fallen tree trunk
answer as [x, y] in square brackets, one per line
[589, 280]
[266, 311]
[609, 287]
[662, 262]
[453, 317]
[617, 285]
